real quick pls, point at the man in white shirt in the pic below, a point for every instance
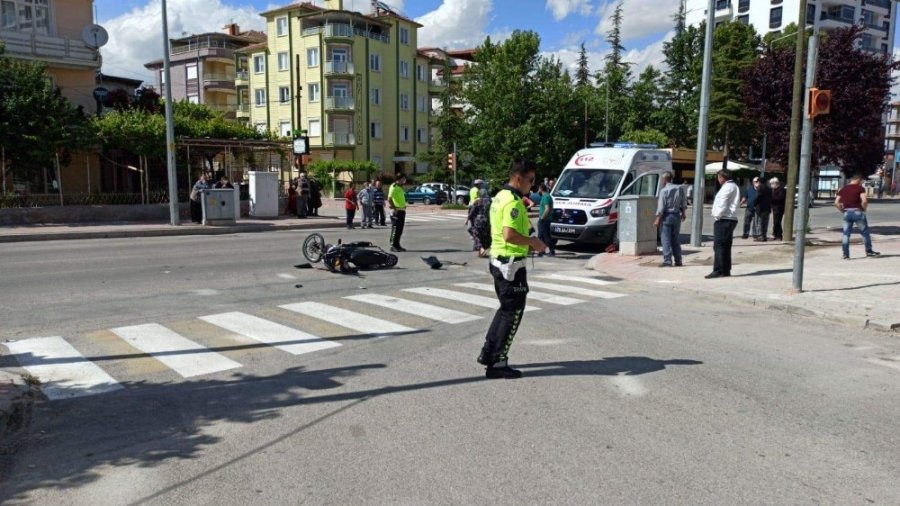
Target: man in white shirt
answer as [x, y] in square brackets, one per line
[724, 211]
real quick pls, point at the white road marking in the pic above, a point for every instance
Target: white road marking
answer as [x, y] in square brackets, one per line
[352, 320]
[575, 290]
[546, 342]
[177, 352]
[465, 298]
[280, 336]
[64, 372]
[883, 363]
[580, 279]
[206, 292]
[423, 218]
[541, 296]
[429, 311]
[286, 276]
[630, 386]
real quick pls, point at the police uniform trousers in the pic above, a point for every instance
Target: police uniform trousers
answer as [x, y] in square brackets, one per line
[500, 334]
[398, 220]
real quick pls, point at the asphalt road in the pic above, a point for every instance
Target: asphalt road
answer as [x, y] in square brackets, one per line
[632, 394]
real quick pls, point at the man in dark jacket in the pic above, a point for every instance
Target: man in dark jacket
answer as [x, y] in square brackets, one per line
[778, 197]
[763, 205]
[749, 200]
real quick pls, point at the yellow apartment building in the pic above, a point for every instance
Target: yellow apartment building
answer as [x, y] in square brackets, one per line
[50, 31]
[355, 82]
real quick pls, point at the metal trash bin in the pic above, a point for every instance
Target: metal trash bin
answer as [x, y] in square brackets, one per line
[218, 206]
[637, 235]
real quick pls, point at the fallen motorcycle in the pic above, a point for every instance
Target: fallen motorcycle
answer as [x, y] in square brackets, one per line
[346, 258]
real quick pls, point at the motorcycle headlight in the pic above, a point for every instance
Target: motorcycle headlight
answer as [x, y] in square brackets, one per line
[600, 212]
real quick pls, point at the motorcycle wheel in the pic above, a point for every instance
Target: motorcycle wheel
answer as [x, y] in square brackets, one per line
[390, 261]
[314, 248]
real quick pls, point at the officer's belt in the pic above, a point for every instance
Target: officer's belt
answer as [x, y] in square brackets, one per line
[507, 260]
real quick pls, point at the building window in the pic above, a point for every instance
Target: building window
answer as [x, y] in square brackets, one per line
[194, 99]
[421, 136]
[312, 57]
[284, 61]
[745, 19]
[722, 4]
[775, 17]
[315, 127]
[375, 96]
[422, 103]
[376, 159]
[375, 62]
[315, 92]
[404, 102]
[260, 96]
[284, 128]
[420, 72]
[404, 68]
[404, 35]
[259, 64]
[191, 72]
[375, 130]
[404, 133]
[26, 15]
[743, 5]
[284, 95]
[262, 128]
[810, 14]
[281, 25]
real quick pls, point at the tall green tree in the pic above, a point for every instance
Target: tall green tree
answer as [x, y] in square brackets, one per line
[644, 103]
[614, 38]
[680, 87]
[613, 81]
[583, 72]
[735, 49]
[37, 123]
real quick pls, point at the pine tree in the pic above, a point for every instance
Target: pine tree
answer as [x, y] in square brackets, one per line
[614, 38]
[680, 92]
[582, 74]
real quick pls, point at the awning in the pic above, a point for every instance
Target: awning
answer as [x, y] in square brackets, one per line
[712, 168]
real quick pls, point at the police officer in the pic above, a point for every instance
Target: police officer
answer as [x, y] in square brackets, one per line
[397, 202]
[473, 192]
[510, 241]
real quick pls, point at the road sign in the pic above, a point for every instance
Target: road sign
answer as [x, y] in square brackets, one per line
[301, 145]
[100, 93]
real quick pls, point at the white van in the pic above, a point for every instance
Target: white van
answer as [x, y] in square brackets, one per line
[585, 197]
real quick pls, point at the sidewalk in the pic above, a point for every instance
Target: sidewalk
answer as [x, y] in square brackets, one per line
[331, 216]
[861, 292]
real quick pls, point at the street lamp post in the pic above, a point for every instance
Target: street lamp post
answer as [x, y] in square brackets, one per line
[700, 164]
[170, 124]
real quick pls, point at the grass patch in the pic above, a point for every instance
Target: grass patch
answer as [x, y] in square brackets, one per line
[450, 205]
[31, 380]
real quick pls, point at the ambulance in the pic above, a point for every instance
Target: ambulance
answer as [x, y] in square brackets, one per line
[586, 194]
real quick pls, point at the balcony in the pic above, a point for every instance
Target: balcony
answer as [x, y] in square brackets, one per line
[315, 30]
[724, 10]
[55, 51]
[337, 31]
[242, 78]
[884, 4]
[242, 111]
[219, 81]
[437, 86]
[342, 68]
[339, 104]
[340, 139]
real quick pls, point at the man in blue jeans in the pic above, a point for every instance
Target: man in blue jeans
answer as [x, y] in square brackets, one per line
[852, 201]
[670, 212]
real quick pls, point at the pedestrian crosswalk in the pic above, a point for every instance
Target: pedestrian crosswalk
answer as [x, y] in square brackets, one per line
[436, 217]
[70, 366]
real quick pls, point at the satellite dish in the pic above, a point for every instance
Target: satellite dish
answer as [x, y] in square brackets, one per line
[94, 36]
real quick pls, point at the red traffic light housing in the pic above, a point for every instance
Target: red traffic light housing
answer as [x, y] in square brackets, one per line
[451, 162]
[819, 102]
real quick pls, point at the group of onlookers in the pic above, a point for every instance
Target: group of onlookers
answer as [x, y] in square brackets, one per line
[370, 199]
[304, 196]
[204, 183]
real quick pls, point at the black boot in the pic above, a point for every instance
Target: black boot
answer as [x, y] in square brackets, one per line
[504, 372]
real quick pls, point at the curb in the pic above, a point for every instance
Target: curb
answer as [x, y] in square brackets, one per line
[17, 400]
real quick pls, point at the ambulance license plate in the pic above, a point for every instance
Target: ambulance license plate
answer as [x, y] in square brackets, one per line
[564, 230]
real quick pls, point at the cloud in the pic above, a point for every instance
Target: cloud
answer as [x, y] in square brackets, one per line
[135, 37]
[456, 24]
[640, 18]
[562, 8]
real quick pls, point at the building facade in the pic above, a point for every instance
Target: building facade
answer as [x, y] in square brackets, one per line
[355, 82]
[878, 16]
[202, 67]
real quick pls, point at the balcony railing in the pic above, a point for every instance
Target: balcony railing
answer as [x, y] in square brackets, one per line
[243, 107]
[339, 103]
[315, 30]
[834, 17]
[204, 43]
[219, 77]
[223, 107]
[340, 139]
[338, 30]
[339, 67]
[51, 49]
[884, 4]
[242, 77]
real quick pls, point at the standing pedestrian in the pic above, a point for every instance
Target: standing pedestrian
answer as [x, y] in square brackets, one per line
[670, 212]
[303, 196]
[480, 224]
[763, 208]
[473, 191]
[379, 204]
[292, 198]
[724, 211]
[315, 197]
[510, 242]
[749, 200]
[545, 216]
[778, 198]
[196, 195]
[350, 205]
[366, 195]
[853, 202]
[397, 202]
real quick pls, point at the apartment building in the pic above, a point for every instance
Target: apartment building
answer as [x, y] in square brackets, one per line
[878, 16]
[49, 31]
[355, 82]
[203, 67]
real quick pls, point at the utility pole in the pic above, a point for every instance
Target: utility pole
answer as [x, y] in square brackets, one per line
[796, 113]
[805, 156]
[700, 164]
[174, 219]
[762, 167]
[606, 122]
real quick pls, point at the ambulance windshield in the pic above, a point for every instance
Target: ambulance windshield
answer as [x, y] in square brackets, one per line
[587, 183]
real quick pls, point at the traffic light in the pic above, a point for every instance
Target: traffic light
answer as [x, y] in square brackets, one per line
[819, 102]
[451, 162]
